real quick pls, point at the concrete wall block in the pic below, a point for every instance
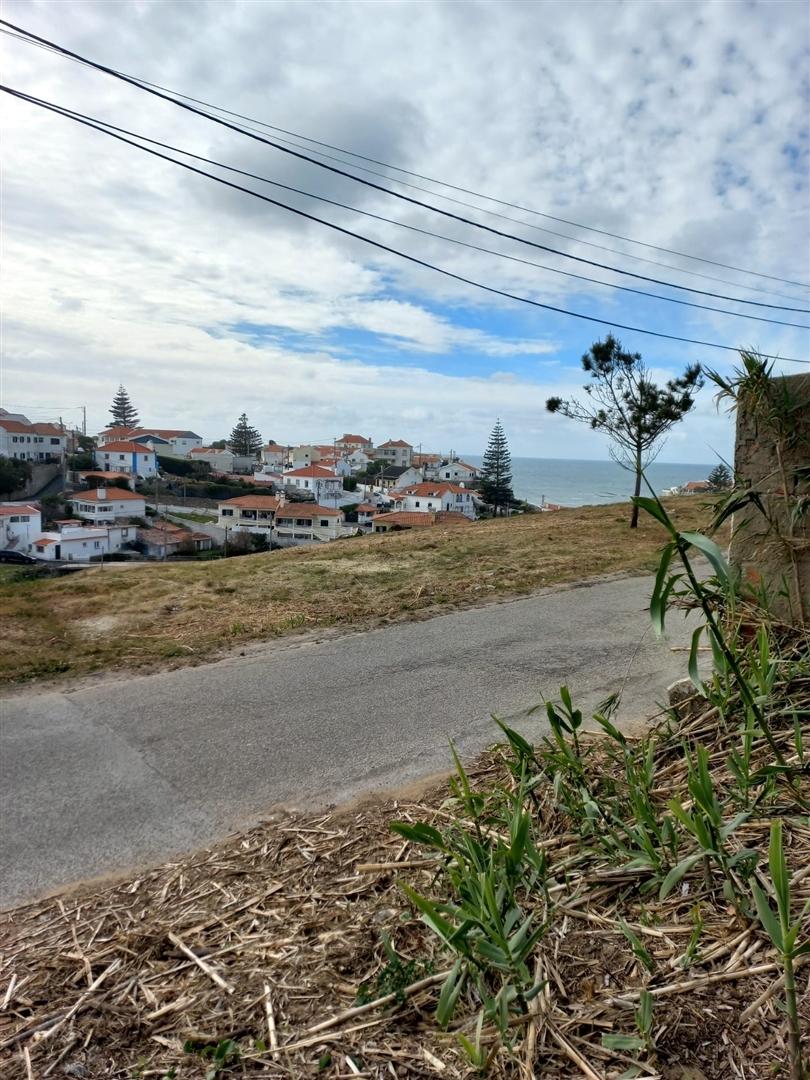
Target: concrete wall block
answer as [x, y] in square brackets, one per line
[759, 550]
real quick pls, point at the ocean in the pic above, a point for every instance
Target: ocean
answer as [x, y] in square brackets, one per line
[580, 483]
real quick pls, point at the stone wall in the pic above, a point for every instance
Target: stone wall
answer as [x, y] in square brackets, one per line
[775, 553]
[42, 473]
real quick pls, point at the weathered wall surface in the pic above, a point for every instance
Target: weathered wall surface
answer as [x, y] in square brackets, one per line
[41, 474]
[776, 554]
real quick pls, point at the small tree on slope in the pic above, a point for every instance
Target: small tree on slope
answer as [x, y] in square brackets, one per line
[124, 413]
[624, 403]
[720, 477]
[245, 440]
[496, 472]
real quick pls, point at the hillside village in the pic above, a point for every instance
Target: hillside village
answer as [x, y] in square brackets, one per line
[118, 491]
[136, 491]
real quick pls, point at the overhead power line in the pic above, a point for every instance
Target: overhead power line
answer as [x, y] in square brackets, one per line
[395, 251]
[456, 187]
[378, 187]
[103, 125]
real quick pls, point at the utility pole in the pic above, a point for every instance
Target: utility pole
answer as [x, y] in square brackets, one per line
[84, 420]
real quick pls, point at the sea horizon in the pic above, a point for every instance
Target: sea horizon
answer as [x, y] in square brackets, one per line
[580, 482]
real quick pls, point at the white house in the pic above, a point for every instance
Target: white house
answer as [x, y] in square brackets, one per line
[306, 454]
[350, 443]
[173, 442]
[407, 477]
[105, 505]
[248, 513]
[456, 472]
[428, 496]
[82, 543]
[339, 466]
[319, 482]
[32, 442]
[301, 523]
[20, 525]
[394, 452]
[358, 460]
[267, 475]
[126, 457]
[275, 456]
[220, 459]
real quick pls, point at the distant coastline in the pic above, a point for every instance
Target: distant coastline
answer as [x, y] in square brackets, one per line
[582, 483]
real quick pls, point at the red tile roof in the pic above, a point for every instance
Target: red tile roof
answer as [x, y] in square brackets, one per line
[313, 471]
[209, 450]
[254, 502]
[7, 511]
[44, 542]
[110, 495]
[306, 510]
[124, 448]
[30, 429]
[355, 440]
[367, 508]
[100, 472]
[396, 442]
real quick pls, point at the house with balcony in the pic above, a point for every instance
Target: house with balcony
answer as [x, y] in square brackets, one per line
[123, 456]
[308, 523]
[314, 480]
[394, 452]
[103, 505]
[249, 513]
[431, 497]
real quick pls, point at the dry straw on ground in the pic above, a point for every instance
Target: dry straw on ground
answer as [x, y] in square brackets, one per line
[267, 938]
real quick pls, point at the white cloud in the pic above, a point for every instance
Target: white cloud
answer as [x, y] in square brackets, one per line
[678, 122]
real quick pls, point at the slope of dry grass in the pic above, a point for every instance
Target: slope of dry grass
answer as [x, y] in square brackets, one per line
[157, 614]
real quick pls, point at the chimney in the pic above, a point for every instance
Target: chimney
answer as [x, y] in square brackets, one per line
[101, 493]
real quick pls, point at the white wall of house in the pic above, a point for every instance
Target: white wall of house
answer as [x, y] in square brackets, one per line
[141, 462]
[455, 472]
[219, 460]
[394, 452]
[274, 456]
[81, 544]
[409, 477]
[297, 524]
[460, 501]
[34, 442]
[20, 525]
[246, 518]
[301, 456]
[105, 505]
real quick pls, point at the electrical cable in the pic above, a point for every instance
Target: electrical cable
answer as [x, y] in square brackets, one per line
[406, 198]
[104, 124]
[400, 254]
[464, 190]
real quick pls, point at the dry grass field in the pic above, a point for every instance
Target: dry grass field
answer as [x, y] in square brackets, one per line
[155, 615]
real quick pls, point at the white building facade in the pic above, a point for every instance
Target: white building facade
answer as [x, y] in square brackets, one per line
[20, 525]
[428, 497]
[126, 457]
[103, 506]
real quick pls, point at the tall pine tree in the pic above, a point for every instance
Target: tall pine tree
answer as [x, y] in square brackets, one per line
[496, 472]
[124, 413]
[245, 440]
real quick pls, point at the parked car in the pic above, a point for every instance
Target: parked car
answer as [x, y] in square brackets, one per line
[16, 557]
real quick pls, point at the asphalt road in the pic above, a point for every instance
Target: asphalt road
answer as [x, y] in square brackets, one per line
[126, 773]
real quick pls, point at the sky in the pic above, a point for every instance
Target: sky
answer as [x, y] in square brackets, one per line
[682, 125]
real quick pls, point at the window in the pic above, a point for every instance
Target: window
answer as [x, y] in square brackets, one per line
[324, 523]
[96, 543]
[227, 512]
[17, 519]
[120, 457]
[124, 532]
[418, 503]
[54, 442]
